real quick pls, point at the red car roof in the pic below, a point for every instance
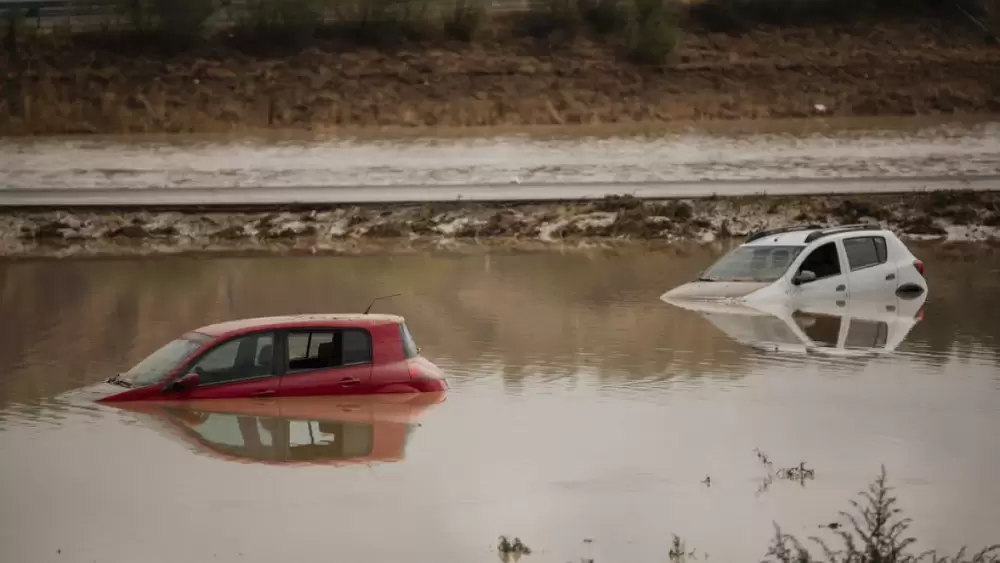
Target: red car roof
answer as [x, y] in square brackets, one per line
[291, 321]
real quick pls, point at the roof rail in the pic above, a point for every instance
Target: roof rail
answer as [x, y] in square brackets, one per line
[842, 229]
[762, 234]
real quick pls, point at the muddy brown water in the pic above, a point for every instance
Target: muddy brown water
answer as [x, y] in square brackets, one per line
[582, 408]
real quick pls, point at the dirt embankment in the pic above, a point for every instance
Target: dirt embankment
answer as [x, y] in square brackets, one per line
[942, 215]
[918, 67]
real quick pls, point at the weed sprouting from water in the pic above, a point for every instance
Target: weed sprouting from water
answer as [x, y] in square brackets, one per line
[876, 533]
[678, 551]
[799, 473]
[512, 549]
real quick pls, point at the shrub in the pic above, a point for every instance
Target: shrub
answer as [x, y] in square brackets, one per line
[282, 23]
[607, 16]
[466, 20]
[382, 22]
[171, 20]
[551, 18]
[875, 533]
[652, 32]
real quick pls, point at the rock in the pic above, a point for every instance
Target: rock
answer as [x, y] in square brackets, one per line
[50, 230]
[129, 231]
[231, 232]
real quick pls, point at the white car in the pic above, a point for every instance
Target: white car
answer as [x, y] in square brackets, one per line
[869, 326]
[800, 264]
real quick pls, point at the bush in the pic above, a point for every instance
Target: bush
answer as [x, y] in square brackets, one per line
[382, 22]
[282, 23]
[652, 32]
[553, 18]
[466, 20]
[607, 16]
[170, 20]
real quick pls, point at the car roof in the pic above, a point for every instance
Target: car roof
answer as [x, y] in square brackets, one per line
[292, 321]
[798, 237]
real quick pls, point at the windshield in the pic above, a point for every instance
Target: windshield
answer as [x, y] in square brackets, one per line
[752, 264]
[160, 363]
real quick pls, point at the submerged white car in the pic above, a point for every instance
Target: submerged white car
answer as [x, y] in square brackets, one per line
[800, 264]
[873, 325]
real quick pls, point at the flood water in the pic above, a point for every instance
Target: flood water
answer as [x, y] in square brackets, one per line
[582, 408]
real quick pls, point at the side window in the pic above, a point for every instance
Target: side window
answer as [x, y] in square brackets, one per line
[863, 252]
[245, 357]
[357, 347]
[328, 348]
[824, 261]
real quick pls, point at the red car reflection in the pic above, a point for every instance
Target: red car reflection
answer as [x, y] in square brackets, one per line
[302, 355]
[293, 431]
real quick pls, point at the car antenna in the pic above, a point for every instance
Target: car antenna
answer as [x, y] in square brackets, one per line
[379, 298]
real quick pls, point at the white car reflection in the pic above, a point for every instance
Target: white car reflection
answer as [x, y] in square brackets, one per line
[850, 327]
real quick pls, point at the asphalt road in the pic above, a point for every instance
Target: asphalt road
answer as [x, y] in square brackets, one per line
[290, 195]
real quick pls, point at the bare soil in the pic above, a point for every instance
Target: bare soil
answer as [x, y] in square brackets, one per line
[873, 69]
[938, 216]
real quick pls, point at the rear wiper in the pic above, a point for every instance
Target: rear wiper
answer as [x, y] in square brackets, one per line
[706, 279]
[117, 380]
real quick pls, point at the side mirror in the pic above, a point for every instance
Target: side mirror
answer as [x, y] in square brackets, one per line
[185, 382]
[805, 276]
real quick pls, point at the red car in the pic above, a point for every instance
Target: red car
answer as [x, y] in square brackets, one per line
[300, 355]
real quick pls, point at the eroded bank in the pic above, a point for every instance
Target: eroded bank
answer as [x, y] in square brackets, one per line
[936, 215]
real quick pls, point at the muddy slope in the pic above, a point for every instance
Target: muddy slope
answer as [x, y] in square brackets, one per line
[918, 67]
[935, 215]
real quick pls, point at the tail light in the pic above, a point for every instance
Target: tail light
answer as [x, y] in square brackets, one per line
[420, 370]
[919, 265]
[920, 314]
[415, 372]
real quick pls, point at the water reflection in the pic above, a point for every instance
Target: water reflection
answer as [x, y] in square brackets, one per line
[856, 327]
[293, 431]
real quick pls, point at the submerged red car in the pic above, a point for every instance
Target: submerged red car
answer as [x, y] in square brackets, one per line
[301, 355]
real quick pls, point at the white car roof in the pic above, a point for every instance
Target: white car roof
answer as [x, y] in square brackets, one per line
[798, 238]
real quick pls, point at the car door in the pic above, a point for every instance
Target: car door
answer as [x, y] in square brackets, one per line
[870, 271]
[831, 284]
[237, 367]
[327, 361]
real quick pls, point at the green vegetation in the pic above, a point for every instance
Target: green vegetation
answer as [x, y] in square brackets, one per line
[646, 31]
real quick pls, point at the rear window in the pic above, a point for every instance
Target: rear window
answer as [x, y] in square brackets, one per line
[863, 252]
[409, 346]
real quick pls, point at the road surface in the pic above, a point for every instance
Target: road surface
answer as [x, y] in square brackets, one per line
[319, 195]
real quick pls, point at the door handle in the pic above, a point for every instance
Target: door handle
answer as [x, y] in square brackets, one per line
[264, 393]
[350, 381]
[841, 287]
[890, 277]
